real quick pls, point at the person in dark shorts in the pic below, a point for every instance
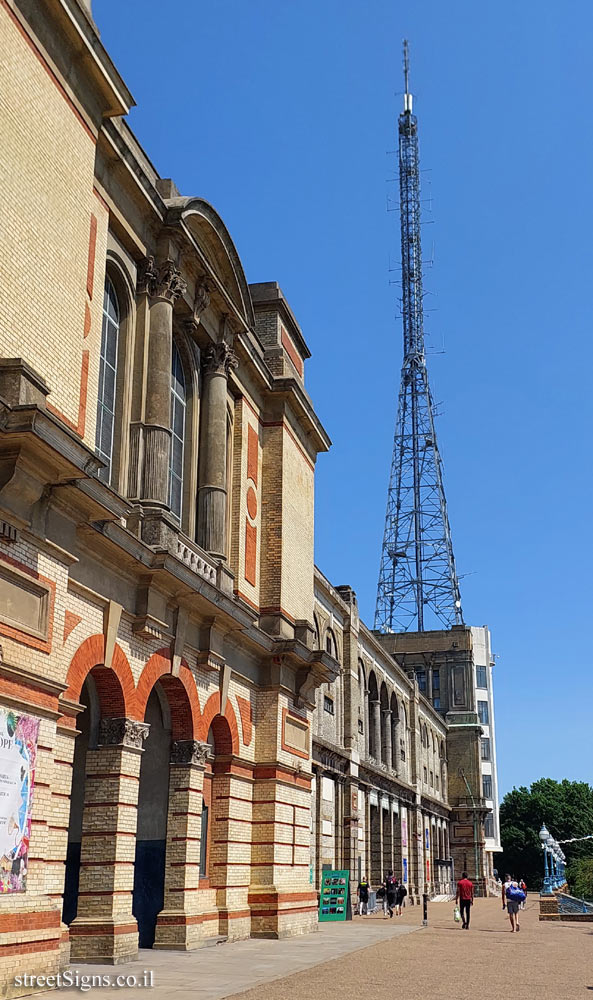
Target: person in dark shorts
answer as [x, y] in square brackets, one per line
[390, 884]
[363, 896]
[400, 894]
[464, 899]
[512, 905]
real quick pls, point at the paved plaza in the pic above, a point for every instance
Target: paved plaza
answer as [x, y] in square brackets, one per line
[378, 957]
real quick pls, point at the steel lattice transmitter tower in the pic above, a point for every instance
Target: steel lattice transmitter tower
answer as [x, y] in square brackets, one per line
[417, 579]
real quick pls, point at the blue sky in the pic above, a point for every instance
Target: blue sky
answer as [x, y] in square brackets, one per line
[282, 114]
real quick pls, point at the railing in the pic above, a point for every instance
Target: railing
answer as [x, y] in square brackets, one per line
[195, 558]
[570, 904]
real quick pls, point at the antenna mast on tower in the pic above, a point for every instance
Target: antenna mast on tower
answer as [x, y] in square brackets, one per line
[417, 577]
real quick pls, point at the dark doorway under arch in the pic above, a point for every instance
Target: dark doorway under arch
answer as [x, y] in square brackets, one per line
[151, 830]
[85, 722]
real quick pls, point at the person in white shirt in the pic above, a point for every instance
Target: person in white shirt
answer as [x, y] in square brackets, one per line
[512, 906]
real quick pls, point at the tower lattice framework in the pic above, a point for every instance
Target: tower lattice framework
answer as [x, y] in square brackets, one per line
[418, 585]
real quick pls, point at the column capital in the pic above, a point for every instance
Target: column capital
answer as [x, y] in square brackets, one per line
[220, 359]
[160, 279]
[123, 732]
[189, 752]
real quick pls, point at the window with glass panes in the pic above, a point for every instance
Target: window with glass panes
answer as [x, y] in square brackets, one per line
[487, 786]
[107, 380]
[421, 678]
[485, 748]
[489, 825]
[481, 677]
[483, 712]
[178, 405]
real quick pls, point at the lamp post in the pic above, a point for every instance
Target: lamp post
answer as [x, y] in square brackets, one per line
[545, 837]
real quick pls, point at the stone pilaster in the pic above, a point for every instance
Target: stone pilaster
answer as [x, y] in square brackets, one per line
[219, 360]
[180, 924]
[104, 929]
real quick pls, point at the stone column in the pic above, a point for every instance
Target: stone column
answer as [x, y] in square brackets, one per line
[162, 283]
[395, 750]
[104, 929]
[386, 749]
[375, 722]
[177, 924]
[219, 360]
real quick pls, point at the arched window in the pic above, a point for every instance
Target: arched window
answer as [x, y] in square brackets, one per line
[178, 406]
[330, 644]
[107, 380]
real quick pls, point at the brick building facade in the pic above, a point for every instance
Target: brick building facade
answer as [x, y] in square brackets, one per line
[161, 619]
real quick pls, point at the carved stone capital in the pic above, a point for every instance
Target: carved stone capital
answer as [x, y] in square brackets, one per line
[123, 732]
[189, 752]
[160, 280]
[220, 359]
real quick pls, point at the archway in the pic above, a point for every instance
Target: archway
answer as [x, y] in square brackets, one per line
[151, 828]
[102, 697]
[87, 721]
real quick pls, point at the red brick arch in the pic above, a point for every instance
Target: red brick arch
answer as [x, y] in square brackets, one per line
[181, 693]
[211, 710]
[115, 685]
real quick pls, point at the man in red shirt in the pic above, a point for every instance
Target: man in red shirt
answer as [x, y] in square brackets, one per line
[464, 899]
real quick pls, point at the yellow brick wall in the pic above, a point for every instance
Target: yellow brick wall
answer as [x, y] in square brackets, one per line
[297, 533]
[45, 226]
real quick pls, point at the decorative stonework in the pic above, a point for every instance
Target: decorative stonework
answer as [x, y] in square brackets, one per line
[189, 752]
[202, 299]
[162, 280]
[123, 732]
[220, 359]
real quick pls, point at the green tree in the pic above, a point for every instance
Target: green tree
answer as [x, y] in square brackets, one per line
[566, 807]
[580, 878]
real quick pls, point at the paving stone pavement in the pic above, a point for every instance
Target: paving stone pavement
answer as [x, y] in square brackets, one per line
[545, 961]
[225, 970]
[381, 958]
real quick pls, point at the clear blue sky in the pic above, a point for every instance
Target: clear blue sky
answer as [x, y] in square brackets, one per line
[281, 115]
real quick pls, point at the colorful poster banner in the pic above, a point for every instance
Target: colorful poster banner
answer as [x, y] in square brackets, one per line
[333, 897]
[18, 750]
[405, 868]
[404, 833]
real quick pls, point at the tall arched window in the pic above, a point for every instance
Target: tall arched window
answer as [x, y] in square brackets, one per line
[107, 380]
[178, 405]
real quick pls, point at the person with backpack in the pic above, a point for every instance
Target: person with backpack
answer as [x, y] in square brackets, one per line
[512, 897]
[363, 896]
[400, 894]
[464, 899]
[523, 887]
[390, 884]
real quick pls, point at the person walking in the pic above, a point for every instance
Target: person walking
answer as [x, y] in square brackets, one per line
[363, 896]
[464, 898]
[512, 905]
[523, 887]
[389, 883]
[400, 894]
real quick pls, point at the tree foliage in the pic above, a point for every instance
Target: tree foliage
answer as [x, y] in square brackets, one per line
[566, 807]
[580, 878]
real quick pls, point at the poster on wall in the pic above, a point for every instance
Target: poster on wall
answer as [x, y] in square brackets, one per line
[18, 750]
[404, 833]
[405, 868]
